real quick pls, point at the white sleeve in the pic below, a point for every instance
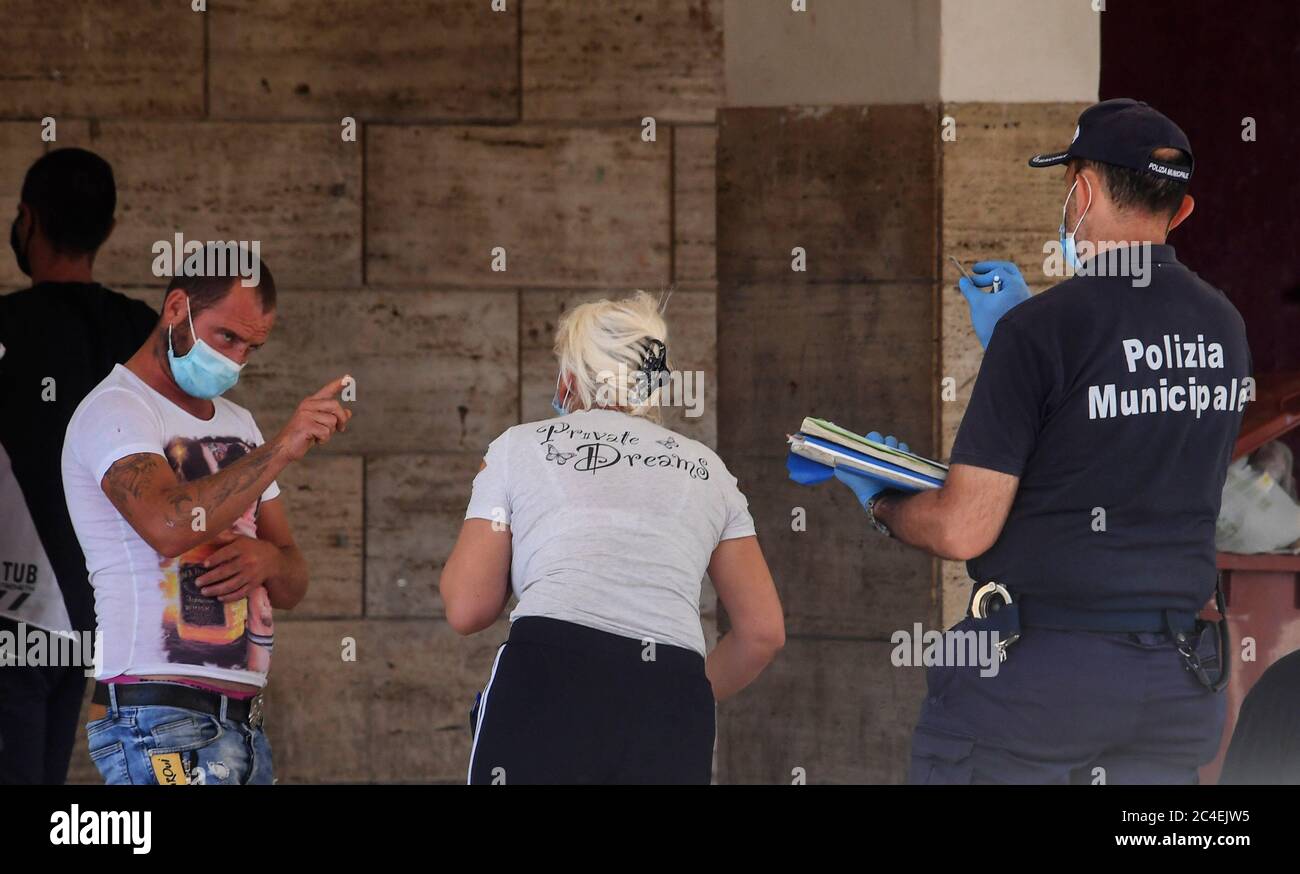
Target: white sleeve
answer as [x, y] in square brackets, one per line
[739, 523]
[112, 425]
[490, 498]
[272, 491]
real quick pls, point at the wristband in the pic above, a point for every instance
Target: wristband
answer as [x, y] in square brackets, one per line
[871, 514]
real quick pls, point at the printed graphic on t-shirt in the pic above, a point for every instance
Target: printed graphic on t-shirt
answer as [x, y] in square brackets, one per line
[29, 591]
[198, 629]
[593, 450]
[1209, 387]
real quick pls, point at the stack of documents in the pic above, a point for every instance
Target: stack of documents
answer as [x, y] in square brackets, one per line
[830, 445]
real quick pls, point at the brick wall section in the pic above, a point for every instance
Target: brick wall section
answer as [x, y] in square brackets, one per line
[878, 200]
[476, 129]
[127, 59]
[849, 339]
[571, 206]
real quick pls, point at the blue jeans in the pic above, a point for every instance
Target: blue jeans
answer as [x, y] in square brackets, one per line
[174, 746]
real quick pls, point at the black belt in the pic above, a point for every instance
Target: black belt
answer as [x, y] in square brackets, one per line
[997, 611]
[1037, 614]
[1027, 612]
[162, 694]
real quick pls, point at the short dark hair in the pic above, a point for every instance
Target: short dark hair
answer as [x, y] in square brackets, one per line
[72, 197]
[1137, 189]
[205, 292]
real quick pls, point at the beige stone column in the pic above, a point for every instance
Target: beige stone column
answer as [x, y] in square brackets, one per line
[831, 147]
[1014, 76]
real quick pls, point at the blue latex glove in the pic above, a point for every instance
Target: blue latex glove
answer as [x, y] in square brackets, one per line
[807, 472]
[987, 307]
[866, 487]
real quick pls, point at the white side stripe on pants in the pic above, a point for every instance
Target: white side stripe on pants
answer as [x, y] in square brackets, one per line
[482, 711]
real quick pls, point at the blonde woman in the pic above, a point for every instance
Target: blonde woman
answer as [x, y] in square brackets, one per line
[603, 523]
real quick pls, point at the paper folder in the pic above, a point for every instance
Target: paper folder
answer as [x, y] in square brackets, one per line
[834, 455]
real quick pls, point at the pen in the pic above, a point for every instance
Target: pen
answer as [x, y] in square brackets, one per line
[997, 280]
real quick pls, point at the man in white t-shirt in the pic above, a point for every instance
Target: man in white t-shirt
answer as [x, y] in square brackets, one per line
[171, 490]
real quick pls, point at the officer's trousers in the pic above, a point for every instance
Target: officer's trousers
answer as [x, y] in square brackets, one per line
[1071, 707]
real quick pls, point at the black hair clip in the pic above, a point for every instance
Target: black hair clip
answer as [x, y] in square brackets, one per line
[654, 361]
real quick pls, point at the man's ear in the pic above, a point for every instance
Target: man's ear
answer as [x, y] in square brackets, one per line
[173, 310]
[1184, 210]
[1089, 190]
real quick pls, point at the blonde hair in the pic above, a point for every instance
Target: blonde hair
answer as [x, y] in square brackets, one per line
[602, 345]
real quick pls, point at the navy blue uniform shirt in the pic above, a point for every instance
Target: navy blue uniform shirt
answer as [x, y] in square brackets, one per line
[1117, 406]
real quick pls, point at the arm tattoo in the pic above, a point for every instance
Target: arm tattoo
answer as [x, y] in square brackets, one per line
[240, 475]
[128, 477]
[128, 480]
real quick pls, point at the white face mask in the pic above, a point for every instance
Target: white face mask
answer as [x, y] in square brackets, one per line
[1067, 240]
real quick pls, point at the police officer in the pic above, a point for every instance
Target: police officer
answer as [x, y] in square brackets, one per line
[1084, 485]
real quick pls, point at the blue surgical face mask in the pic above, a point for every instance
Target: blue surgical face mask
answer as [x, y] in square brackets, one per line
[203, 372]
[1068, 249]
[555, 399]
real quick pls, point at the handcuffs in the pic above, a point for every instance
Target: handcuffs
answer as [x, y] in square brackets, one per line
[987, 600]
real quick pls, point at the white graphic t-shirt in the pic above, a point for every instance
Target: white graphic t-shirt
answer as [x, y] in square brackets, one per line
[29, 591]
[613, 521]
[151, 616]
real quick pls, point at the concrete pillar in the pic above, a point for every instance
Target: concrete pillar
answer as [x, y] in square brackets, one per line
[832, 142]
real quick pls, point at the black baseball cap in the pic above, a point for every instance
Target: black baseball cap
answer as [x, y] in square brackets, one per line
[1124, 132]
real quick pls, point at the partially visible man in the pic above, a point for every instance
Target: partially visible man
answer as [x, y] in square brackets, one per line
[1265, 748]
[172, 493]
[58, 339]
